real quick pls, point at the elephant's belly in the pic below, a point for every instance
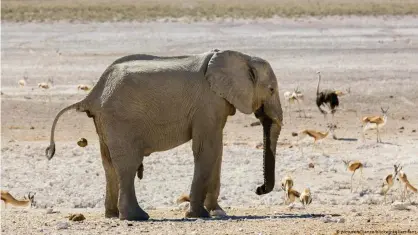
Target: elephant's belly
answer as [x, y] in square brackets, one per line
[165, 138]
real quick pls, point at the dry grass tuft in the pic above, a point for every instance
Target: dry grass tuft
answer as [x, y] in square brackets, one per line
[129, 10]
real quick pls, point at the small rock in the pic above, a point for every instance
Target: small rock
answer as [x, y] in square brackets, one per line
[218, 213]
[368, 220]
[49, 211]
[330, 219]
[402, 128]
[255, 123]
[32, 127]
[403, 118]
[62, 225]
[82, 142]
[259, 146]
[294, 134]
[399, 206]
[77, 217]
[327, 219]
[130, 224]
[414, 131]
[362, 193]
[311, 165]
[391, 96]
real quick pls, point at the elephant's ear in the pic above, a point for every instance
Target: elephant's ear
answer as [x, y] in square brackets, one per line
[231, 76]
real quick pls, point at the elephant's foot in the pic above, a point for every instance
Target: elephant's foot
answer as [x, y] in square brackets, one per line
[201, 213]
[134, 215]
[112, 213]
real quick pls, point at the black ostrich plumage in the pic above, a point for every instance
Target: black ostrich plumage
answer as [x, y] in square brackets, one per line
[327, 97]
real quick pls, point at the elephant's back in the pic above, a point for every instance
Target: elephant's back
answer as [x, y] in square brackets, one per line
[133, 91]
[146, 82]
[152, 63]
[146, 57]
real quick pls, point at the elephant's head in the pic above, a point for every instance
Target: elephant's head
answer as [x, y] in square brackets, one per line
[250, 85]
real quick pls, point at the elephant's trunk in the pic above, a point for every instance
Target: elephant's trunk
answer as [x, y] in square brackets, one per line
[270, 133]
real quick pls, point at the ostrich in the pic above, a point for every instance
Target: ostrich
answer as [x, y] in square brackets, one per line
[326, 98]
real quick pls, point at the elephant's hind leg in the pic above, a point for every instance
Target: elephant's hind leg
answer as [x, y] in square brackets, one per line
[112, 185]
[127, 157]
[211, 201]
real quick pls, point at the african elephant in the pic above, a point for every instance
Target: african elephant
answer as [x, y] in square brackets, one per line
[144, 104]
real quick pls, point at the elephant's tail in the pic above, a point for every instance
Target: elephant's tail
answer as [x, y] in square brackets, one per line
[50, 150]
[183, 198]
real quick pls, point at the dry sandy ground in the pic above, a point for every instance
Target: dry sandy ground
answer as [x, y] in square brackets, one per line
[314, 220]
[376, 57]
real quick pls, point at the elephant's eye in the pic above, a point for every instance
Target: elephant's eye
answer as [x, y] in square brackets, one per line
[271, 90]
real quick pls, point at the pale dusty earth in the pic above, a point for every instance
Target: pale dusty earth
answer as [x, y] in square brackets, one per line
[375, 57]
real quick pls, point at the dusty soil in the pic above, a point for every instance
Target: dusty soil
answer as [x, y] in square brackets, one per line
[375, 57]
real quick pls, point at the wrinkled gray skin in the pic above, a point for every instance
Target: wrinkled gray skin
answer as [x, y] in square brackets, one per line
[144, 104]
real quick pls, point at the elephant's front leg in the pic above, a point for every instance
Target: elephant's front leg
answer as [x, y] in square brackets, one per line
[211, 201]
[206, 147]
